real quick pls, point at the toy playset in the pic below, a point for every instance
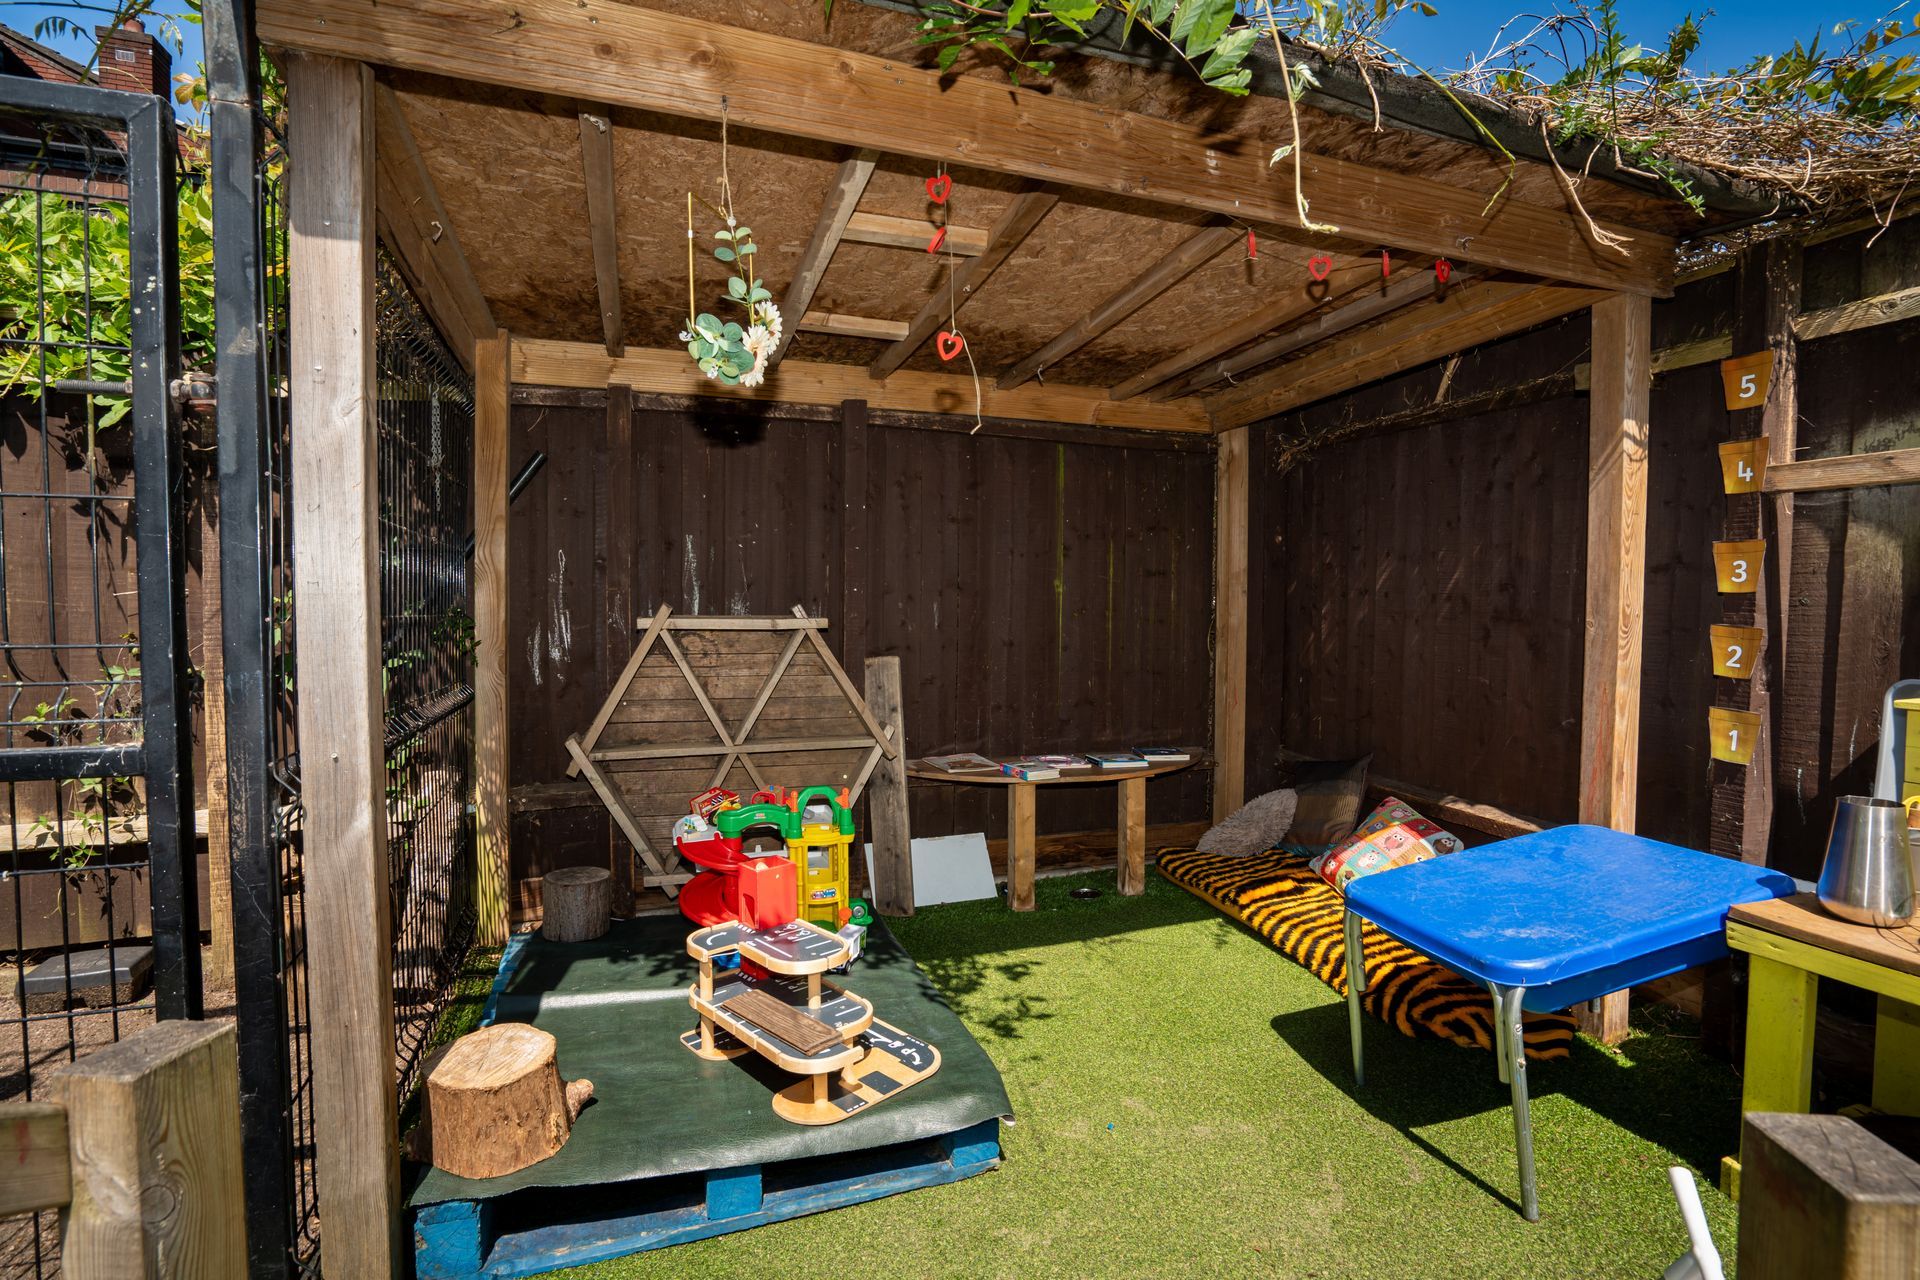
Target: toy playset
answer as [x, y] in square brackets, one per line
[816, 826]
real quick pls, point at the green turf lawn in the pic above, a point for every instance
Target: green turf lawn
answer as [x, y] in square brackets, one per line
[1185, 1108]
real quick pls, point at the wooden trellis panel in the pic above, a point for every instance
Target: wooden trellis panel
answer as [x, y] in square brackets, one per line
[744, 703]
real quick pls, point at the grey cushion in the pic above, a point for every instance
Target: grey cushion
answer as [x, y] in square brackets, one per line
[1256, 827]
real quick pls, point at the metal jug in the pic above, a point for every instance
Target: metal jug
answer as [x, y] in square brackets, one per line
[1868, 875]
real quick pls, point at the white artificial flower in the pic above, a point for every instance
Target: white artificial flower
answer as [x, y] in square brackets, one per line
[770, 317]
[761, 343]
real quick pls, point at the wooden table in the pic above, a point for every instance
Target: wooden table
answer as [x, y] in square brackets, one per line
[1792, 944]
[1130, 854]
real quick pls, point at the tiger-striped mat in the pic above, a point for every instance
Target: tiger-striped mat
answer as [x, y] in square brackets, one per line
[1277, 896]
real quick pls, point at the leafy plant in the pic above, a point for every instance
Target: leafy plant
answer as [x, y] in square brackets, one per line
[93, 801]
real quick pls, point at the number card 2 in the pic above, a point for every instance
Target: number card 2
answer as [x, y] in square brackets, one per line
[1736, 650]
[1743, 465]
[1745, 379]
[1736, 566]
[1732, 734]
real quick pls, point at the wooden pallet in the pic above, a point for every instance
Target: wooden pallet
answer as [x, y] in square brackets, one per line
[478, 1238]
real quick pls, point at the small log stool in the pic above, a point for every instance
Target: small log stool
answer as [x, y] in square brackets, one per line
[576, 903]
[495, 1103]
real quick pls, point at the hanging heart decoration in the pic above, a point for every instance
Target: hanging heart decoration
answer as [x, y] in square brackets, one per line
[1442, 270]
[1319, 266]
[1253, 245]
[1386, 265]
[939, 238]
[939, 187]
[949, 344]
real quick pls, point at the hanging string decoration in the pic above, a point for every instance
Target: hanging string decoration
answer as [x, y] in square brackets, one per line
[949, 344]
[1442, 270]
[732, 352]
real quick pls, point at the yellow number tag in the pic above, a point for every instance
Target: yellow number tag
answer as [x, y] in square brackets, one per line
[1736, 566]
[1732, 734]
[1743, 465]
[1746, 379]
[1736, 650]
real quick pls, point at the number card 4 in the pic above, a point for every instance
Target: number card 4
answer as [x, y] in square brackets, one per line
[1733, 734]
[1745, 379]
[1736, 566]
[1743, 465]
[1735, 650]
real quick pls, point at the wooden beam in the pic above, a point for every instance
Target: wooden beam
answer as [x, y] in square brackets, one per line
[493, 826]
[1368, 303]
[887, 802]
[851, 326]
[336, 575]
[415, 226]
[849, 184]
[686, 65]
[596, 161]
[1189, 256]
[1863, 313]
[889, 232]
[1013, 227]
[154, 1129]
[1850, 471]
[36, 1175]
[1823, 1196]
[1684, 355]
[1479, 313]
[584, 364]
[1616, 585]
[1230, 623]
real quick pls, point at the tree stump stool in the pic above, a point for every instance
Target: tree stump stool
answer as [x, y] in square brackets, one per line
[576, 903]
[495, 1103]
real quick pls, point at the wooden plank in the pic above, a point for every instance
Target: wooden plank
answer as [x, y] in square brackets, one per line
[596, 160]
[1821, 1196]
[491, 720]
[1235, 333]
[889, 823]
[1468, 317]
[615, 498]
[846, 686]
[1443, 806]
[217, 972]
[852, 326]
[1685, 355]
[35, 1173]
[1863, 313]
[1130, 858]
[914, 233]
[1022, 215]
[629, 826]
[693, 682]
[685, 66]
[766, 691]
[154, 1130]
[1198, 249]
[674, 750]
[337, 580]
[855, 573]
[585, 364]
[416, 227]
[849, 184]
[709, 622]
[1020, 846]
[1616, 586]
[1230, 623]
[1802, 918]
[1851, 471]
[655, 626]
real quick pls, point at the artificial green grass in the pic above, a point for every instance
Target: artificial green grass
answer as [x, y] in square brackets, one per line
[1185, 1108]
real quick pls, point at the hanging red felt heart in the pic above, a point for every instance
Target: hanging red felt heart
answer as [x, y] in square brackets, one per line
[939, 187]
[949, 344]
[1319, 265]
[939, 238]
[1253, 245]
[1442, 270]
[1386, 265]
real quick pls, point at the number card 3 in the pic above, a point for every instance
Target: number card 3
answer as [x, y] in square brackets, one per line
[1733, 734]
[1743, 465]
[1736, 566]
[1735, 650]
[1746, 378]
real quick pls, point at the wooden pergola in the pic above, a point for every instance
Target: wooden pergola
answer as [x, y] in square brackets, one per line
[526, 163]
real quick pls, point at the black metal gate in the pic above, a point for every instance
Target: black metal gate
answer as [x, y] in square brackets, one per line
[95, 747]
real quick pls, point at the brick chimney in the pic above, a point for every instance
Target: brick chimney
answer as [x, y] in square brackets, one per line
[132, 60]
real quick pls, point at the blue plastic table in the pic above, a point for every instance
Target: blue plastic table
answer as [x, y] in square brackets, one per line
[1545, 921]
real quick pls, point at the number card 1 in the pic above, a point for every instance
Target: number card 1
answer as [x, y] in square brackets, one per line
[1735, 650]
[1736, 566]
[1733, 734]
[1743, 465]
[1745, 379]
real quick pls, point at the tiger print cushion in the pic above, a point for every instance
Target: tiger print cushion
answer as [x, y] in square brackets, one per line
[1277, 896]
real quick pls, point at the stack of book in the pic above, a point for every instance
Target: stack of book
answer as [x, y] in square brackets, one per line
[964, 762]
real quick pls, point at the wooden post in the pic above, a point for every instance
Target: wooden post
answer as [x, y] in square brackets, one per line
[1020, 845]
[491, 415]
[154, 1131]
[337, 581]
[1821, 1196]
[1230, 623]
[850, 623]
[616, 536]
[218, 969]
[1130, 862]
[888, 825]
[1616, 584]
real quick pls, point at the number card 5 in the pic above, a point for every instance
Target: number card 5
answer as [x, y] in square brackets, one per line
[1745, 379]
[1743, 465]
[1736, 650]
[1732, 734]
[1736, 566]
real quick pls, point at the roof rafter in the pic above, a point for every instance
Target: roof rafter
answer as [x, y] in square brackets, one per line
[913, 233]
[849, 184]
[596, 159]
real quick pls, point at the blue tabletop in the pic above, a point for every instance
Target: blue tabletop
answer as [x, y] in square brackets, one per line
[1565, 904]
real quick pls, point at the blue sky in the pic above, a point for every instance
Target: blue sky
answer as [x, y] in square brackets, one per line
[1741, 29]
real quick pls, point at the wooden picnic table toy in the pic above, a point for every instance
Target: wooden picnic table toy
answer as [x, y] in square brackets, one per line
[1130, 851]
[795, 1019]
[1546, 921]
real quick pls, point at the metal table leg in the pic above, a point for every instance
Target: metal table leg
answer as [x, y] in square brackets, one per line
[1511, 1032]
[1499, 1039]
[1356, 960]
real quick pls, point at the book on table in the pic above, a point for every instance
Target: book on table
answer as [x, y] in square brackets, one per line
[1163, 755]
[1028, 771]
[1118, 759]
[1067, 762]
[963, 762]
